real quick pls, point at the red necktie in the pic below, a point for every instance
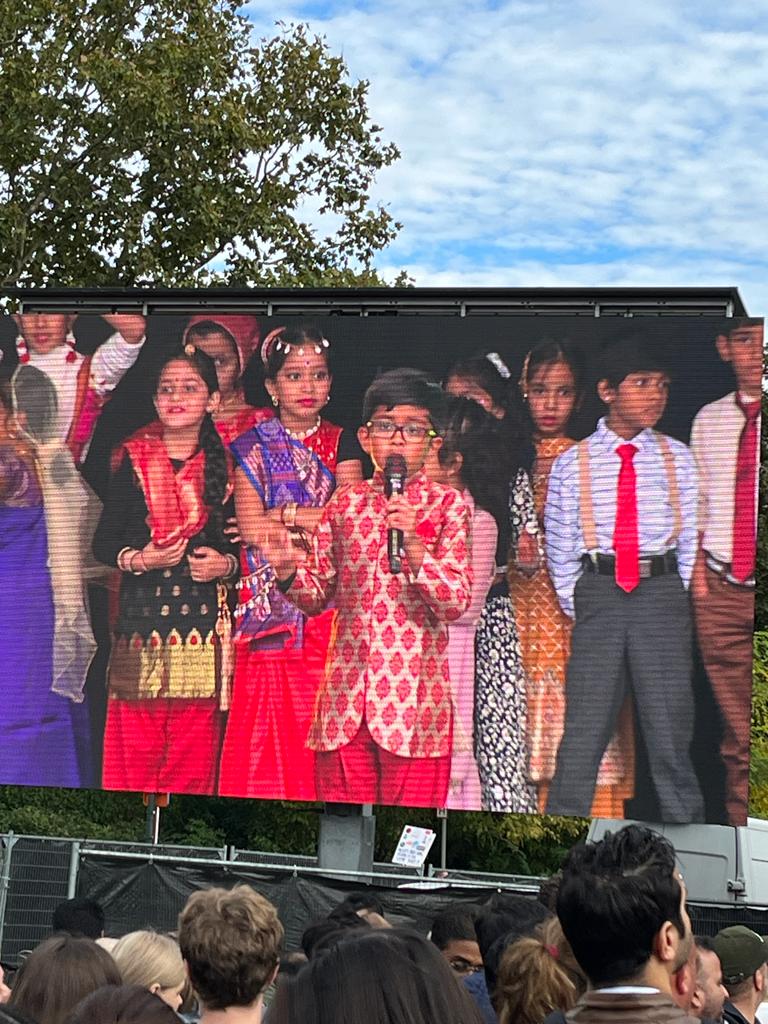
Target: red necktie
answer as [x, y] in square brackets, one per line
[625, 542]
[744, 526]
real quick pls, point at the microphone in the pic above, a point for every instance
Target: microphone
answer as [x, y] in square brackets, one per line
[395, 472]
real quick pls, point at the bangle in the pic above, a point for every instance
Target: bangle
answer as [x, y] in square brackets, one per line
[232, 566]
[144, 566]
[121, 556]
[136, 572]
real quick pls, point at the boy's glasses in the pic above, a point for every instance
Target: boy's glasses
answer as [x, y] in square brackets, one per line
[409, 431]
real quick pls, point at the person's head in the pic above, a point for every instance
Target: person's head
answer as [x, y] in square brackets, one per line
[323, 935]
[633, 382]
[230, 940]
[403, 414]
[453, 932]
[740, 343]
[230, 340]
[743, 955]
[621, 903]
[387, 976]
[297, 373]
[503, 919]
[709, 993]
[358, 903]
[79, 916]
[58, 974]
[186, 396]
[548, 888]
[552, 386]
[474, 456]
[42, 332]
[122, 1004]
[485, 378]
[537, 974]
[154, 961]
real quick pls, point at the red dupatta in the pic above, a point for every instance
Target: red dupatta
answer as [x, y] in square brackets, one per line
[174, 499]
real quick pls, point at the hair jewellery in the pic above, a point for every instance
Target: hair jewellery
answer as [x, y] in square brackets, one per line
[275, 338]
[523, 382]
[498, 363]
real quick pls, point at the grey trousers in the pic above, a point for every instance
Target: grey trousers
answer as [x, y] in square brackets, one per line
[642, 639]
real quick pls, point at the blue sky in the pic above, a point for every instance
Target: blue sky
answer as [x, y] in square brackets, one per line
[564, 142]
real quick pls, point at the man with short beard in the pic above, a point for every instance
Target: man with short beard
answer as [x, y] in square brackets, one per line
[709, 993]
[621, 903]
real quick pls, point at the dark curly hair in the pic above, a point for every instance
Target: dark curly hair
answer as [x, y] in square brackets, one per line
[483, 370]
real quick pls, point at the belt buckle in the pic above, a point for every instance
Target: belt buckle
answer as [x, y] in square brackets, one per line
[645, 568]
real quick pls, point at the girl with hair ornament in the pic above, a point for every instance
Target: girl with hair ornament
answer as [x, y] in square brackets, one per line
[287, 469]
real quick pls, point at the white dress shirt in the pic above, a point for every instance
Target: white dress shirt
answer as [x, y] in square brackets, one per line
[562, 515]
[715, 444]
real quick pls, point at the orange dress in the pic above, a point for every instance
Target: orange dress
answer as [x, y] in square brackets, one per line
[545, 640]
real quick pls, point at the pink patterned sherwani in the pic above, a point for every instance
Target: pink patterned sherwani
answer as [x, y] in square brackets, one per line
[387, 665]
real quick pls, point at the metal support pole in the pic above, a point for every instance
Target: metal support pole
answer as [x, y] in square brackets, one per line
[5, 880]
[442, 813]
[153, 819]
[74, 867]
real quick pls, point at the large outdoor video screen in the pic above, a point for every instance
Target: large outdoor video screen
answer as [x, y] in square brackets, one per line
[487, 563]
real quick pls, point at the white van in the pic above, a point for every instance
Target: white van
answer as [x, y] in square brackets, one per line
[722, 865]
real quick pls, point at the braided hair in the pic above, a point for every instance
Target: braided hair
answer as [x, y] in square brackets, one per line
[216, 474]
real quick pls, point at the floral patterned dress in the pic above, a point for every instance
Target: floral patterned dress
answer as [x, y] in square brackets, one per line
[545, 639]
[500, 689]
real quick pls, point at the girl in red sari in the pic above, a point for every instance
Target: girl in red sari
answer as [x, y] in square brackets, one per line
[287, 469]
[162, 526]
[230, 340]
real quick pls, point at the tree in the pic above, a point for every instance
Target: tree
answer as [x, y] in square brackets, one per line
[150, 141]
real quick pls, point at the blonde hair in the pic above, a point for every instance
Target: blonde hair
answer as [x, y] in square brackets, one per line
[147, 958]
[538, 974]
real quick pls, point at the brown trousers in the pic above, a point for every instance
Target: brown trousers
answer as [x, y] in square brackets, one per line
[724, 623]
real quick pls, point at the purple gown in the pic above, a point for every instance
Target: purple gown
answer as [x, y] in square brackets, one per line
[39, 730]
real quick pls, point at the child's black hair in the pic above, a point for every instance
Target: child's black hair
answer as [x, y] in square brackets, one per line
[737, 323]
[629, 354]
[549, 352]
[488, 371]
[205, 328]
[294, 336]
[216, 469]
[406, 386]
[486, 465]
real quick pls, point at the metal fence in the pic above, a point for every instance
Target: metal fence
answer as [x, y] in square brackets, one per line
[38, 872]
[140, 884]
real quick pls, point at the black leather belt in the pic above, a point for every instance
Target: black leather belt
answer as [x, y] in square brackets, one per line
[649, 565]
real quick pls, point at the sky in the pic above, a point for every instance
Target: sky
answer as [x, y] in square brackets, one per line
[556, 143]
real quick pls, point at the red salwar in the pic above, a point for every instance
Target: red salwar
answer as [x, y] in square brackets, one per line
[265, 751]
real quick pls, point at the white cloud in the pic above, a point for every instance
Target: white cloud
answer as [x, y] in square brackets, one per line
[565, 142]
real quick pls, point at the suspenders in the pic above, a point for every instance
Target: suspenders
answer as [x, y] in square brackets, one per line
[588, 526]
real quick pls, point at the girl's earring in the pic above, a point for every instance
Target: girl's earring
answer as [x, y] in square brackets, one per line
[71, 343]
[275, 401]
[21, 348]
[327, 399]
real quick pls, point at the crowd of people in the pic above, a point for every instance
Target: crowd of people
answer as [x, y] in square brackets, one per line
[263, 642]
[608, 939]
